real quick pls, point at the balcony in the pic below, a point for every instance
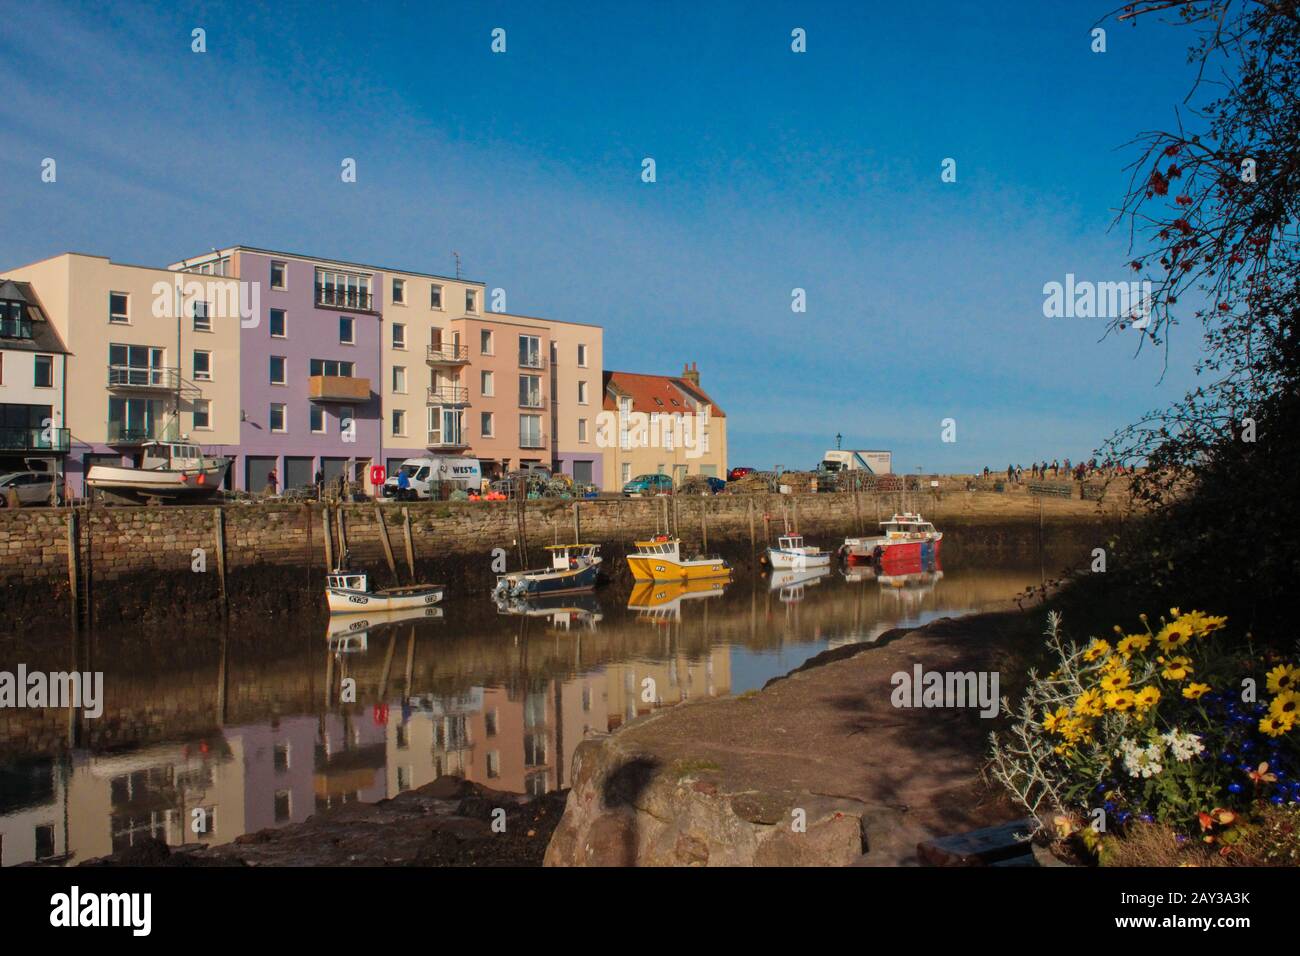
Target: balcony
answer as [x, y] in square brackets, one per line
[338, 388]
[436, 441]
[350, 300]
[528, 441]
[448, 355]
[536, 362]
[55, 440]
[143, 378]
[133, 433]
[449, 395]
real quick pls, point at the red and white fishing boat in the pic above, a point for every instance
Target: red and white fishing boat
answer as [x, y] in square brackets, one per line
[905, 540]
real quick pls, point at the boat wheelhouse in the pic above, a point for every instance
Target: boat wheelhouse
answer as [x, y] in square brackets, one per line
[660, 559]
[574, 567]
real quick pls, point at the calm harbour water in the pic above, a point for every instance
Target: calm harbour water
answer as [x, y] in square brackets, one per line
[246, 724]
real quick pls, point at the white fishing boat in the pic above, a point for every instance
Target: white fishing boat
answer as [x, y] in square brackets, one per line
[168, 469]
[348, 592]
[791, 554]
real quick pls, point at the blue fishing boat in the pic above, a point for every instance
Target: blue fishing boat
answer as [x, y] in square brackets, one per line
[574, 567]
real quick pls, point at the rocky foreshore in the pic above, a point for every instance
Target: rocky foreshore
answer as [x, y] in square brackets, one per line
[818, 768]
[449, 822]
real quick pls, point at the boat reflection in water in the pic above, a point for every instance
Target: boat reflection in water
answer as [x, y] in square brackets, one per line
[566, 612]
[351, 634]
[661, 601]
[792, 584]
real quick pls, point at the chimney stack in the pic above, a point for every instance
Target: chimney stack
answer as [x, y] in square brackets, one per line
[691, 373]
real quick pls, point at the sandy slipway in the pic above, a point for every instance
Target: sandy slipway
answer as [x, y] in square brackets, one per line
[721, 782]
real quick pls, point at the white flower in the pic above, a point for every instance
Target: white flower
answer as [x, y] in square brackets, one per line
[1141, 761]
[1182, 746]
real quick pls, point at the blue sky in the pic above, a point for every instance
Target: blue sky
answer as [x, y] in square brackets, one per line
[775, 170]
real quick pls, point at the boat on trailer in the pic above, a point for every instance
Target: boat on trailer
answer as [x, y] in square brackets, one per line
[904, 538]
[174, 470]
[574, 567]
[791, 554]
[660, 559]
[348, 592]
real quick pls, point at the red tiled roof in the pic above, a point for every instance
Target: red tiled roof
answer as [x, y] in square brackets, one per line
[645, 389]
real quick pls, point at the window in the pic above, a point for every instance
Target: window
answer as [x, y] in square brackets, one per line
[471, 300]
[13, 323]
[486, 385]
[627, 472]
[43, 372]
[202, 320]
[582, 393]
[530, 351]
[277, 417]
[485, 342]
[202, 414]
[119, 307]
[278, 376]
[530, 391]
[277, 324]
[399, 335]
[342, 290]
[435, 297]
[202, 366]
[530, 431]
[582, 429]
[332, 368]
[399, 379]
[399, 292]
[347, 330]
[399, 422]
[318, 420]
[582, 356]
[136, 365]
[278, 270]
[445, 426]
[485, 425]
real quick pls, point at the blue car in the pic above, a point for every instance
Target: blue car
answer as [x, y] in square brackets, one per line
[646, 485]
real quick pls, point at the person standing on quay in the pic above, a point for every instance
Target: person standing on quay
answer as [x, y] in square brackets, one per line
[272, 482]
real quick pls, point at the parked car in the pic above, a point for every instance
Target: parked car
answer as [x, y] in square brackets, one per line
[645, 485]
[702, 485]
[33, 487]
[739, 471]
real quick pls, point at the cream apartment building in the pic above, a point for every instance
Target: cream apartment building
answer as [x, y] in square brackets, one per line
[151, 354]
[661, 424]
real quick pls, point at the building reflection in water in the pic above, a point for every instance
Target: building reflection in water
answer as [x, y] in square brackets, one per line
[503, 700]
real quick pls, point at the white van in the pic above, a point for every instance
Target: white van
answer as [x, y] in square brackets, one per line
[424, 474]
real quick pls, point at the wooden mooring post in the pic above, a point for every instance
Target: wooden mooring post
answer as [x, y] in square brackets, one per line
[410, 544]
[388, 545]
[753, 546]
[343, 532]
[219, 533]
[329, 538]
[704, 525]
[577, 524]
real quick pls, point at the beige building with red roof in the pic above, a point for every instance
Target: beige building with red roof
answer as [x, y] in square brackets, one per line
[660, 424]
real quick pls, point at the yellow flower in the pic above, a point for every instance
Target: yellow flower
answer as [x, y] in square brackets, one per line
[1285, 705]
[1193, 691]
[1115, 680]
[1098, 648]
[1275, 725]
[1076, 729]
[1089, 704]
[1133, 643]
[1284, 677]
[1147, 698]
[1176, 668]
[1052, 721]
[1201, 624]
[1121, 700]
[1173, 635]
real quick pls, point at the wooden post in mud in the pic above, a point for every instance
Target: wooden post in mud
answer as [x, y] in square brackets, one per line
[74, 546]
[329, 538]
[343, 533]
[219, 532]
[753, 546]
[704, 526]
[388, 545]
[410, 545]
[577, 525]
[767, 527]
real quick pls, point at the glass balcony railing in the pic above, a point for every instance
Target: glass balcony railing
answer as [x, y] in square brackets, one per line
[131, 433]
[35, 439]
[335, 297]
[140, 376]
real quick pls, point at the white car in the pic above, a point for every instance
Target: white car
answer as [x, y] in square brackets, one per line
[33, 487]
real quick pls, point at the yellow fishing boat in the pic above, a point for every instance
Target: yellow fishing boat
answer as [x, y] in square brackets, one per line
[660, 559]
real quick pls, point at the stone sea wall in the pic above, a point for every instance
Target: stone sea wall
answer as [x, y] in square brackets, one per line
[125, 559]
